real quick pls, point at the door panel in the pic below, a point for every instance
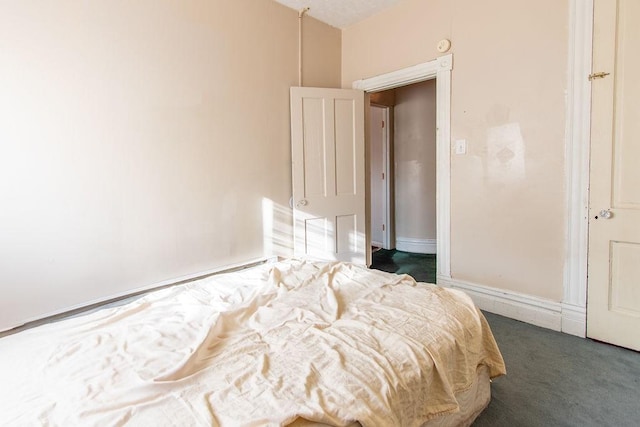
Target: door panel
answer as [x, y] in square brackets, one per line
[626, 170]
[625, 268]
[314, 158]
[345, 147]
[327, 146]
[346, 230]
[316, 236]
[613, 310]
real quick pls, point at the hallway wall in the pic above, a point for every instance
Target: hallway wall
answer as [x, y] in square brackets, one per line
[415, 167]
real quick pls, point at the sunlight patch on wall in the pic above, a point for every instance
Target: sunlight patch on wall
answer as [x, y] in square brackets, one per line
[277, 229]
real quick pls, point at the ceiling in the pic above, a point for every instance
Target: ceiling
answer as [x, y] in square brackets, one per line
[340, 13]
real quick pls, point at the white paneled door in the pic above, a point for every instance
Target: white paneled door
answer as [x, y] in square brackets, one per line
[613, 309]
[327, 147]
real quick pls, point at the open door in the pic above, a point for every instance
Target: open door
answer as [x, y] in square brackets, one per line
[613, 309]
[327, 147]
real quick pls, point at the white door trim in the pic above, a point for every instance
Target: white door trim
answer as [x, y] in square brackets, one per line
[439, 69]
[387, 182]
[577, 141]
[386, 242]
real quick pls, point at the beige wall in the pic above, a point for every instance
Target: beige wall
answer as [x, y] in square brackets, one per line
[415, 161]
[321, 55]
[140, 141]
[508, 102]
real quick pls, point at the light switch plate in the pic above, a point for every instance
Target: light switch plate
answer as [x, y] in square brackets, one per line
[461, 146]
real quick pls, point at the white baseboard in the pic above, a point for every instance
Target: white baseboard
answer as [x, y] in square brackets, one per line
[417, 246]
[526, 308]
[574, 320]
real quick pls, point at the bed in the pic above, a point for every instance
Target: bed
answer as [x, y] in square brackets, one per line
[289, 343]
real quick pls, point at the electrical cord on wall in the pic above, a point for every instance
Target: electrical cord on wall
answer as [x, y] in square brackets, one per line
[300, 16]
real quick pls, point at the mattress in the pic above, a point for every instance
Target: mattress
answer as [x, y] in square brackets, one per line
[296, 341]
[471, 403]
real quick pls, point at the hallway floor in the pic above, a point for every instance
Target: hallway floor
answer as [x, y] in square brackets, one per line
[421, 267]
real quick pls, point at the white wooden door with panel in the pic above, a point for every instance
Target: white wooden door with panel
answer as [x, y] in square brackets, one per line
[327, 147]
[379, 176]
[613, 309]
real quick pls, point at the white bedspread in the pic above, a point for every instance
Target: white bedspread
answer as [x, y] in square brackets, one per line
[329, 342]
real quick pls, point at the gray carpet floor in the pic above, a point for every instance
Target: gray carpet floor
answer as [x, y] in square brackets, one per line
[555, 379]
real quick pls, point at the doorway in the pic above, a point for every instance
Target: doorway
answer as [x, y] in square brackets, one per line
[438, 69]
[403, 176]
[312, 215]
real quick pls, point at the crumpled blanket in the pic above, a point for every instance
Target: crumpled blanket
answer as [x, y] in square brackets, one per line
[329, 342]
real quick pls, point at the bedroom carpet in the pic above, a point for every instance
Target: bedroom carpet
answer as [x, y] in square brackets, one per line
[421, 267]
[555, 379]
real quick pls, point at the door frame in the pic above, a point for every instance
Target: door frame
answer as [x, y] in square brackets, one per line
[387, 233]
[577, 146]
[440, 70]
